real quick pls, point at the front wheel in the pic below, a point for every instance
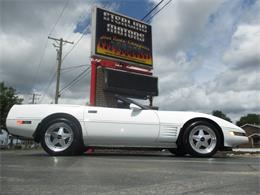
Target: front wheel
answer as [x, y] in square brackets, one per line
[201, 139]
[61, 136]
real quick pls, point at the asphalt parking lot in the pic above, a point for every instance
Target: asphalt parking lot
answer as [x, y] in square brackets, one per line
[34, 172]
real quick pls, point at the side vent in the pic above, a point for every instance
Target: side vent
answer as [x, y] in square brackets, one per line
[168, 133]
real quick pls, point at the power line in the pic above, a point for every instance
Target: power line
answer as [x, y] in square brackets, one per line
[35, 80]
[73, 45]
[158, 11]
[59, 17]
[74, 81]
[68, 53]
[152, 10]
[81, 17]
[80, 76]
[74, 67]
[47, 87]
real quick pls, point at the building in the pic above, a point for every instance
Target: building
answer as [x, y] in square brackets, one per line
[253, 133]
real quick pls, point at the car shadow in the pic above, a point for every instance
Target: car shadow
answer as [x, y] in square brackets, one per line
[157, 154]
[123, 153]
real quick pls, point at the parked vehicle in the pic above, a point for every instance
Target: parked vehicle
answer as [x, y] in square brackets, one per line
[70, 129]
[3, 139]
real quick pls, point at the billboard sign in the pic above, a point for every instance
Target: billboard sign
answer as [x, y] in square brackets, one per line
[130, 84]
[120, 38]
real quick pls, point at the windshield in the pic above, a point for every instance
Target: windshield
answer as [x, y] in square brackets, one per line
[125, 101]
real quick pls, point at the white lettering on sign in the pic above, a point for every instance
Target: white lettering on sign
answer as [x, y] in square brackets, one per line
[130, 26]
[125, 32]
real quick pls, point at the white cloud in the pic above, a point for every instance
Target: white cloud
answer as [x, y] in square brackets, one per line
[179, 25]
[244, 49]
[26, 25]
[219, 67]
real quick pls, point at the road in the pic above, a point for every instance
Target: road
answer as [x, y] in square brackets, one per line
[34, 172]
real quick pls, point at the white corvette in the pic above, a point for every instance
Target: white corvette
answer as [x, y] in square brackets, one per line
[70, 129]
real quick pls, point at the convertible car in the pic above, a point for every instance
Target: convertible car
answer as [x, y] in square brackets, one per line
[71, 129]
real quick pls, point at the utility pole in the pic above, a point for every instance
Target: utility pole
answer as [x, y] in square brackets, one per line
[34, 97]
[59, 59]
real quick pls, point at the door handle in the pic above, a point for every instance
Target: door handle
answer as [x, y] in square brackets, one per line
[92, 111]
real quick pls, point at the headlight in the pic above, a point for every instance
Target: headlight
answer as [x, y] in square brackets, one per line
[234, 133]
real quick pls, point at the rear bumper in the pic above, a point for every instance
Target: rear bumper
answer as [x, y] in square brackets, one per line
[23, 130]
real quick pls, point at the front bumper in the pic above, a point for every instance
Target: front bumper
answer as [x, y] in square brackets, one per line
[234, 137]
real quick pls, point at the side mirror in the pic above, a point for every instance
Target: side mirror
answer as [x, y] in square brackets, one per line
[134, 107]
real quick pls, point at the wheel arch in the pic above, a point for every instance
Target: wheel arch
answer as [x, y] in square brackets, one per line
[41, 125]
[189, 122]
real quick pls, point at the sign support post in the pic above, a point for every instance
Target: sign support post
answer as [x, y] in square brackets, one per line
[93, 83]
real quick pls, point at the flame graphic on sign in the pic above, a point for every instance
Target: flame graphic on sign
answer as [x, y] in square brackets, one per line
[120, 49]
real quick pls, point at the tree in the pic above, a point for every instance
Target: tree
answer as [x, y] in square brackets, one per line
[220, 114]
[249, 119]
[8, 98]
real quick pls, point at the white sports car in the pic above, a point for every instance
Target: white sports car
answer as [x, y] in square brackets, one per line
[70, 129]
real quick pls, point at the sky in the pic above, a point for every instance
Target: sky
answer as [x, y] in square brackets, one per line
[206, 53]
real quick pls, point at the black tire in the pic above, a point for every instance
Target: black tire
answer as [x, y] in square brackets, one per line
[66, 133]
[201, 139]
[178, 151]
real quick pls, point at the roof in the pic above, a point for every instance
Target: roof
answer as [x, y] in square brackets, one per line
[251, 125]
[255, 135]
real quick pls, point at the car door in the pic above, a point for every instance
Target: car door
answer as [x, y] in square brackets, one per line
[121, 127]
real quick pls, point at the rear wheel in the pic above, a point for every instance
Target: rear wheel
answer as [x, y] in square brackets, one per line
[62, 136]
[201, 139]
